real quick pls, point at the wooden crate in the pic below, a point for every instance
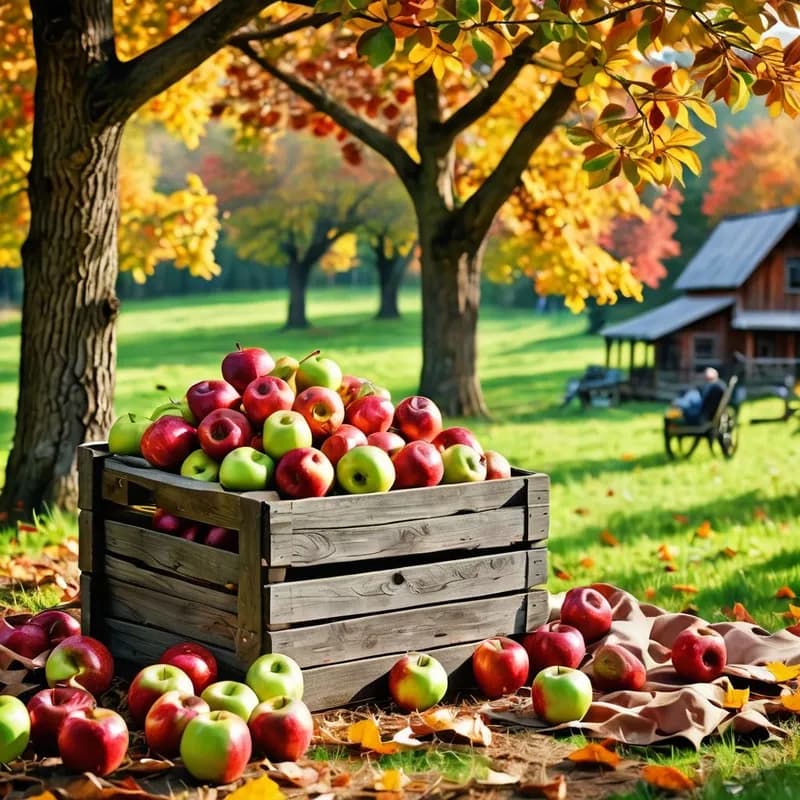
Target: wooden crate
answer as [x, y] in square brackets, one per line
[342, 584]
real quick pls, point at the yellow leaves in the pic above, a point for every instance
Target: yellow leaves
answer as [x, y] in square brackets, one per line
[783, 672]
[341, 255]
[684, 588]
[793, 612]
[735, 699]
[669, 778]
[262, 788]
[703, 530]
[367, 735]
[595, 754]
[391, 780]
[791, 701]
[667, 553]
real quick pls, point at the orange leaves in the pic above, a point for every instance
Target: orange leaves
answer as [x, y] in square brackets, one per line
[668, 778]
[367, 735]
[262, 788]
[703, 530]
[738, 613]
[791, 702]
[608, 539]
[667, 552]
[549, 790]
[735, 699]
[684, 588]
[595, 754]
[785, 593]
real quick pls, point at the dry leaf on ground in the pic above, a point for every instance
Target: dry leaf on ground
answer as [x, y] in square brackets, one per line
[595, 754]
[668, 778]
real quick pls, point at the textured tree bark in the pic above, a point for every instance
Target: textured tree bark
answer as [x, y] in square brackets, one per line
[297, 274]
[391, 269]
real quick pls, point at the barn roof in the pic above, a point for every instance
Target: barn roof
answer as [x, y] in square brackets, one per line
[767, 321]
[735, 248]
[665, 319]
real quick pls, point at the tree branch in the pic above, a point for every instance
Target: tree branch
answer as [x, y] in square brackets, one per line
[127, 86]
[276, 31]
[372, 137]
[475, 216]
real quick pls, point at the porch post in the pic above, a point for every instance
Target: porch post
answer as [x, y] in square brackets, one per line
[608, 353]
[749, 351]
[632, 353]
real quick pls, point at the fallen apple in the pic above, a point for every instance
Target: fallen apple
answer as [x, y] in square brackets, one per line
[216, 747]
[554, 644]
[48, 709]
[15, 728]
[587, 610]
[275, 675]
[83, 661]
[233, 696]
[699, 654]
[198, 662]
[615, 668]
[150, 683]
[561, 694]
[417, 681]
[167, 719]
[281, 728]
[93, 740]
[500, 666]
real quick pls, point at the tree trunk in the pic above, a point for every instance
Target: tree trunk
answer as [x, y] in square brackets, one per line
[297, 274]
[69, 259]
[390, 276]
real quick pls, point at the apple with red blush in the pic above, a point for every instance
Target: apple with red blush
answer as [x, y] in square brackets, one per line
[417, 464]
[57, 624]
[699, 654]
[216, 747]
[349, 388]
[554, 644]
[281, 728]
[304, 472]
[463, 464]
[418, 418]
[49, 708]
[457, 435]
[497, 465]
[80, 660]
[561, 694]
[244, 364]
[417, 681]
[370, 413]
[587, 610]
[322, 409]
[150, 683]
[388, 441]
[345, 439]
[615, 668]
[265, 396]
[500, 666]
[223, 430]
[167, 442]
[93, 740]
[204, 397]
[198, 662]
[167, 719]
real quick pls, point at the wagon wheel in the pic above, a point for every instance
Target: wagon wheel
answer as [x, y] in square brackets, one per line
[678, 446]
[728, 433]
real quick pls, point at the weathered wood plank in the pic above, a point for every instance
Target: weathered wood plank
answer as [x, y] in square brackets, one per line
[91, 606]
[414, 629]
[538, 609]
[171, 553]
[158, 609]
[536, 569]
[395, 589]
[90, 468]
[250, 625]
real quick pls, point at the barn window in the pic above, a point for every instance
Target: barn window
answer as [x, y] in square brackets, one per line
[705, 349]
[793, 274]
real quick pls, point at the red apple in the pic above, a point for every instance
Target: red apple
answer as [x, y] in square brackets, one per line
[167, 719]
[150, 683]
[281, 728]
[196, 661]
[304, 472]
[222, 538]
[457, 435]
[25, 639]
[57, 624]
[388, 441]
[167, 441]
[497, 465]
[554, 644]
[417, 464]
[699, 654]
[93, 740]
[166, 522]
[80, 660]
[48, 709]
[244, 365]
[193, 531]
[264, 396]
[418, 418]
[204, 397]
[223, 430]
[349, 388]
[346, 438]
[370, 413]
[322, 409]
[587, 610]
[500, 666]
[615, 668]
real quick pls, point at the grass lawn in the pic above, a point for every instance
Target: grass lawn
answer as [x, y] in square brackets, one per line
[706, 533]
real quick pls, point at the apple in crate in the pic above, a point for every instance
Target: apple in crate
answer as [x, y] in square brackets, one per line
[275, 675]
[418, 418]
[198, 662]
[388, 441]
[500, 666]
[304, 472]
[417, 464]
[497, 465]
[463, 464]
[282, 728]
[284, 431]
[15, 728]
[150, 683]
[699, 654]
[365, 469]
[561, 694]
[370, 413]
[224, 430]
[25, 639]
[615, 668]
[167, 719]
[167, 442]
[587, 610]
[200, 466]
[346, 438]
[417, 681]
[81, 660]
[204, 397]
[125, 435]
[246, 469]
[93, 740]
[318, 370]
[233, 696]
[216, 747]
[48, 709]
[193, 531]
[222, 539]
[57, 624]
[243, 365]
[176, 409]
[554, 644]
[322, 409]
[457, 435]
[166, 522]
[265, 396]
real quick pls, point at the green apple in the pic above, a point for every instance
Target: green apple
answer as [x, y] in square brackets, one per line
[286, 369]
[417, 681]
[200, 466]
[15, 728]
[284, 431]
[275, 675]
[317, 370]
[233, 696]
[216, 747]
[175, 408]
[463, 464]
[561, 694]
[125, 434]
[365, 469]
[367, 388]
[246, 469]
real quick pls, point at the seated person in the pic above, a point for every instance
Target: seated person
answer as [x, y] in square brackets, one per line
[698, 405]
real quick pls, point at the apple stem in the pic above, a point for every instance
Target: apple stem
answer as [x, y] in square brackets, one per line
[310, 355]
[131, 416]
[423, 661]
[238, 346]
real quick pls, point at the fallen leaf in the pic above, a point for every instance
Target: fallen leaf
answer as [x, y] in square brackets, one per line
[791, 701]
[586, 562]
[595, 754]
[46, 795]
[670, 567]
[610, 492]
[760, 515]
[341, 780]
[627, 456]
[785, 592]
[667, 778]
[650, 593]
[391, 780]
[729, 552]
[262, 788]
[682, 519]
[703, 530]
[667, 553]
[793, 629]
[608, 539]
[554, 790]
[443, 720]
[496, 778]
[367, 734]
[735, 698]
[686, 588]
[783, 672]
[738, 613]
[291, 773]
[562, 574]
[793, 612]
[581, 512]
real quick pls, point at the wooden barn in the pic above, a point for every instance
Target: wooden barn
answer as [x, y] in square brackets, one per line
[739, 312]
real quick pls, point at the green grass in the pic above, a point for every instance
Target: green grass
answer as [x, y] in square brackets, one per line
[608, 468]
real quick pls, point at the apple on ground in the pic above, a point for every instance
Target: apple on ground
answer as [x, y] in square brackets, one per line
[322, 409]
[26, 640]
[81, 660]
[554, 644]
[150, 683]
[15, 728]
[222, 539]
[57, 624]
[223, 430]
[587, 610]
[167, 442]
[500, 666]
[198, 662]
[615, 668]
[166, 522]
[93, 740]
[418, 418]
[457, 435]
[317, 370]
[417, 681]
[284, 431]
[370, 413]
[561, 694]
[699, 654]
[389, 441]
[281, 728]
[463, 464]
[246, 469]
[417, 464]
[349, 388]
[365, 469]
[125, 435]
[497, 465]
[216, 747]
[233, 696]
[265, 396]
[346, 438]
[243, 365]
[304, 472]
[275, 675]
[48, 709]
[200, 466]
[204, 397]
[167, 719]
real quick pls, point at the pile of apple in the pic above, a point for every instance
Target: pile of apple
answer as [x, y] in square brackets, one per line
[304, 428]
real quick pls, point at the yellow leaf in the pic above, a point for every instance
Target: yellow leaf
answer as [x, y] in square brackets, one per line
[735, 698]
[686, 588]
[791, 701]
[367, 734]
[704, 530]
[667, 553]
[595, 754]
[783, 672]
[392, 780]
[667, 778]
[793, 612]
[262, 788]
